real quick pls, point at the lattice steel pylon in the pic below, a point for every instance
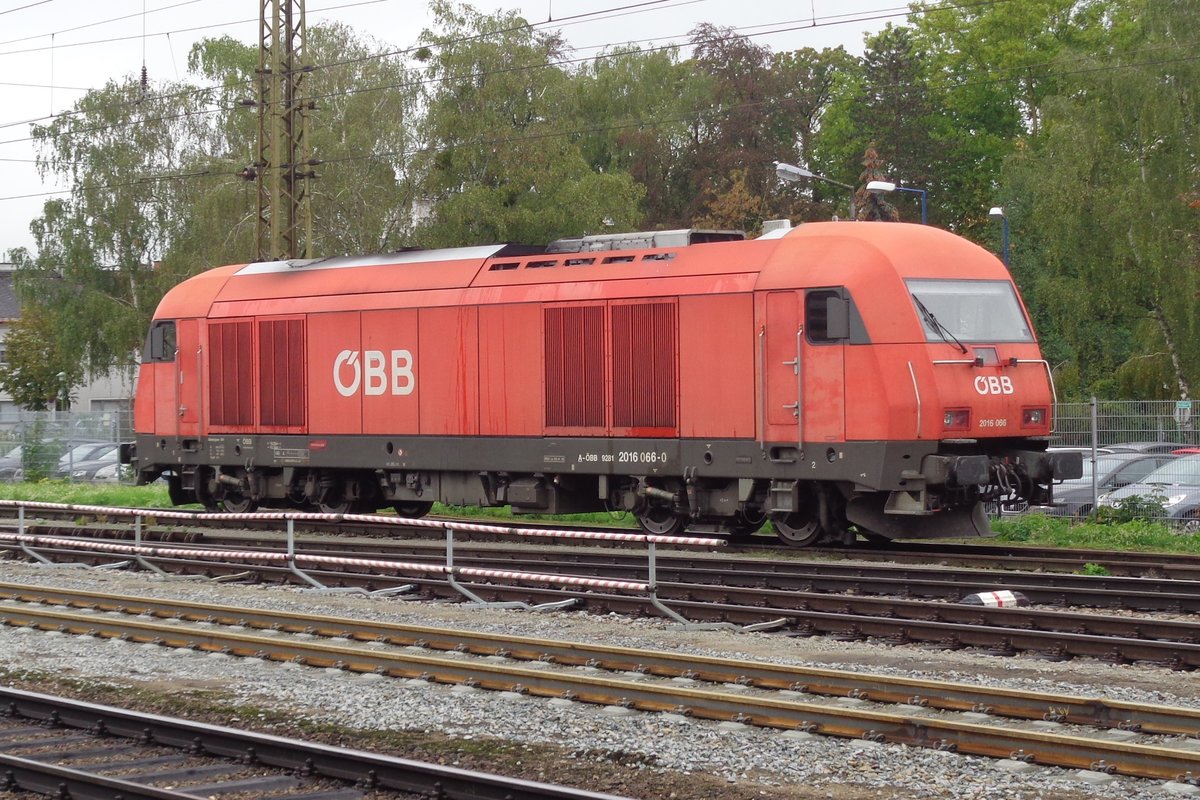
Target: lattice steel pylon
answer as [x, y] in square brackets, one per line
[284, 166]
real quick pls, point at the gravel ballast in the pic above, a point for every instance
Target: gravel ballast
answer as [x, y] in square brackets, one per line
[656, 755]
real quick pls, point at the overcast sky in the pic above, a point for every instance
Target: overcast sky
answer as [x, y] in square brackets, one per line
[51, 50]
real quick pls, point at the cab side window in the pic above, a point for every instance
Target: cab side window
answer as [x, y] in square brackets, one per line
[160, 343]
[826, 316]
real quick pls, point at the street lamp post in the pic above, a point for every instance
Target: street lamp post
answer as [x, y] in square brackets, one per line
[997, 212]
[883, 187]
[792, 173]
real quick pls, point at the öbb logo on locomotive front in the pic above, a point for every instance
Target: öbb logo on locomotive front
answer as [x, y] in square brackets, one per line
[993, 384]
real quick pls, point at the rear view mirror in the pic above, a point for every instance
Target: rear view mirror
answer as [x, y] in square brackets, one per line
[837, 318]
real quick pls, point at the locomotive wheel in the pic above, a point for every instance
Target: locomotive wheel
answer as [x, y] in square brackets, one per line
[662, 521]
[339, 505]
[413, 509]
[235, 503]
[797, 530]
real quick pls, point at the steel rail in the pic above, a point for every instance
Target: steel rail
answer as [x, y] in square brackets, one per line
[1003, 631]
[1132, 628]
[1121, 563]
[1059, 589]
[375, 770]
[949, 696]
[1041, 588]
[1127, 758]
[31, 775]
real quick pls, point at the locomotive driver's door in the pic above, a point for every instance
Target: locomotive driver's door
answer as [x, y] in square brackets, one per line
[823, 359]
[781, 368]
[805, 333]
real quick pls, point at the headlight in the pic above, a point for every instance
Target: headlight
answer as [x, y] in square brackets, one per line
[79, 473]
[1173, 500]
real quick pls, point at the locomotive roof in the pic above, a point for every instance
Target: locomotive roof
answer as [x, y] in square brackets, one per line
[812, 254]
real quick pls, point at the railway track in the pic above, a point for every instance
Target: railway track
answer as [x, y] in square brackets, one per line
[70, 749]
[891, 580]
[1075, 732]
[1146, 593]
[1121, 563]
[1056, 634]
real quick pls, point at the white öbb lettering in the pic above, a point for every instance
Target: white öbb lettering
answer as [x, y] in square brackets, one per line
[994, 384]
[375, 373]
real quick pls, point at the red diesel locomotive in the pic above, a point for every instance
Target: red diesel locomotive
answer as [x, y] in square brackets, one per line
[877, 375]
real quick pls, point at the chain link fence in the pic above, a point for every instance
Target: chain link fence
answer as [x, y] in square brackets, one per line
[1100, 423]
[1131, 464]
[66, 445]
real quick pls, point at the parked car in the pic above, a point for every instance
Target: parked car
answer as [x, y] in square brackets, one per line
[1176, 485]
[83, 453]
[1073, 498]
[1144, 447]
[114, 472]
[87, 470]
[10, 463]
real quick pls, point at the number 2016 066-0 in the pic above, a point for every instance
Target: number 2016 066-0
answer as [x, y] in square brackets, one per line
[641, 457]
[993, 423]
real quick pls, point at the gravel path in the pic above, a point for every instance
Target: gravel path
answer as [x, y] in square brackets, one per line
[644, 755]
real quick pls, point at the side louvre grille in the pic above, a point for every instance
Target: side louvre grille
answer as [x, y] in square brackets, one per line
[645, 380]
[281, 372]
[231, 377]
[575, 367]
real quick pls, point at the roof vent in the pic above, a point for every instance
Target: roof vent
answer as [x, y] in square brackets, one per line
[775, 228]
[643, 240]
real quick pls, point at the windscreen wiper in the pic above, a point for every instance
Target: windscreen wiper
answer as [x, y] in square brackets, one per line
[938, 327]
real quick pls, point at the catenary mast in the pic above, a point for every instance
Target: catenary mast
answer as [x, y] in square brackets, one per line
[283, 167]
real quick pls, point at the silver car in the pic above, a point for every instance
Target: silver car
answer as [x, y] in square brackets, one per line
[1073, 498]
[1176, 485]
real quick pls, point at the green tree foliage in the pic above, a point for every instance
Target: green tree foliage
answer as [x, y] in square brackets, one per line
[499, 164]
[37, 373]
[991, 66]
[633, 110]
[890, 105]
[97, 276]
[1105, 190]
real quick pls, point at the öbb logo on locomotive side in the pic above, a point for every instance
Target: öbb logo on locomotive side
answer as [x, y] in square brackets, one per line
[994, 384]
[375, 373]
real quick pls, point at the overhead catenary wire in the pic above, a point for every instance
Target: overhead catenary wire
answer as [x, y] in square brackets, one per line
[250, 83]
[833, 19]
[766, 29]
[786, 26]
[22, 8]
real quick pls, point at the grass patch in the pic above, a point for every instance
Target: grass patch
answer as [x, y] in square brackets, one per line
[96, 494]
[1140, 535]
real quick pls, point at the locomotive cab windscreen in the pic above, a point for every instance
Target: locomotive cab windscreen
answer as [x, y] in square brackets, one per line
[969, 311]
